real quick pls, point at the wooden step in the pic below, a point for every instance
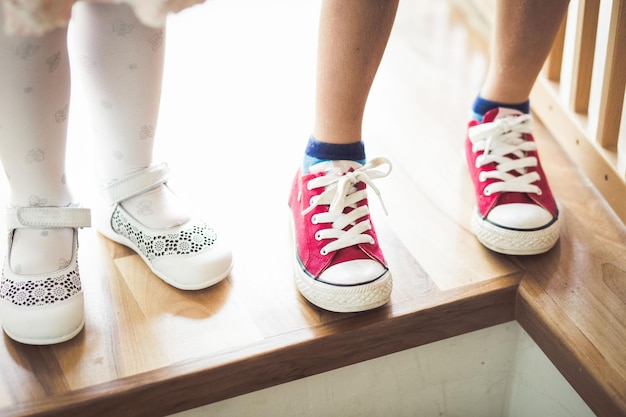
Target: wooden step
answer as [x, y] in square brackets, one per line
[237, 110]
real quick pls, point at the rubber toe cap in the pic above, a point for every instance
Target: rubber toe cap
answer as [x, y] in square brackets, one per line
[355, 272]
[520, 216]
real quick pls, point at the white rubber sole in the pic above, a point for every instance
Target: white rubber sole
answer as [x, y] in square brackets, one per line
[515, 242]
[349, 299]
[336, 298]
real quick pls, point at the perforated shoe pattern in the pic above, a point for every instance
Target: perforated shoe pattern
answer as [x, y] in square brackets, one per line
[43, 291]
[191, 240]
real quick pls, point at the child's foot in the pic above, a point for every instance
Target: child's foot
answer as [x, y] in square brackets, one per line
[39, 251]
[157, 208]
[516, 213]
[141, 212]
[41, 300]
[339, 265]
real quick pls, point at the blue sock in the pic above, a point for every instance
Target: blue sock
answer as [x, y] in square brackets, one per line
[317, 151]
[482, 106]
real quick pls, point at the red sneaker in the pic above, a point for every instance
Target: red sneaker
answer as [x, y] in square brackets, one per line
[339, 265]
[516, 213]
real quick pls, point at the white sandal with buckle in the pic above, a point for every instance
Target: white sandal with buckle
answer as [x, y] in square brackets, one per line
[188, 257]
[48, 308]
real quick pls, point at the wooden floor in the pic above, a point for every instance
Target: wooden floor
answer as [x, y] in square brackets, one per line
[238, 108]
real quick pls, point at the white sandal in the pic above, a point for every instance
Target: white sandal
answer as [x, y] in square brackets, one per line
[43, 309]
[188, 257]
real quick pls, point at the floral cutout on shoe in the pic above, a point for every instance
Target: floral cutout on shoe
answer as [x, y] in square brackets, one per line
[39, 292]
[189, 240]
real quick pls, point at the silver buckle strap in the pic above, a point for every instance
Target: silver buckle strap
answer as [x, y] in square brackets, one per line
[136, 183]
[48, 217]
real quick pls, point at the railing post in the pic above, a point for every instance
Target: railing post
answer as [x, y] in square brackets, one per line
[585, 45]
[609, 74]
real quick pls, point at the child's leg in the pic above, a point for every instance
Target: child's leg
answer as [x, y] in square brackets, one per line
[120, 61]
[120, 64]
[516, 212]
[340, 266]
[41, 301]
[34, 103]
[352, 39]
[523, 35]
[522, 38]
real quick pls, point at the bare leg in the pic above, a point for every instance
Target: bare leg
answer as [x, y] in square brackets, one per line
[524, 33]
[352, 38]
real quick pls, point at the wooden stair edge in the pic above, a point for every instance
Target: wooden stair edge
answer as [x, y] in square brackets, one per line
[573, 354]
[202, 381]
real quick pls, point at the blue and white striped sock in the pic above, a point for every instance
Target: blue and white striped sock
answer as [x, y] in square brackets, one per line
[482, 106]
[317, 151]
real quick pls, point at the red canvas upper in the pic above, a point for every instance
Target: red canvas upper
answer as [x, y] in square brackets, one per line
[307, 246]
[487, 202]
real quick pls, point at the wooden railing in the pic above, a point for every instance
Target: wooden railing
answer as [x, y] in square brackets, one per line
[579, 96]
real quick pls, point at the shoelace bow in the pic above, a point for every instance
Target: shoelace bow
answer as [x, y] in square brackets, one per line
[340, 193]
[502, 142]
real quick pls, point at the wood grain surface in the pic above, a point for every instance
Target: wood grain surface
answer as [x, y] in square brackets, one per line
[236, 114]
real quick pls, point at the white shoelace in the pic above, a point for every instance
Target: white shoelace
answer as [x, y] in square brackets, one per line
[499, 140]
[341, 192]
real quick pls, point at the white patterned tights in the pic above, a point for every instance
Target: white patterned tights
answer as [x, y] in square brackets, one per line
[118, 63]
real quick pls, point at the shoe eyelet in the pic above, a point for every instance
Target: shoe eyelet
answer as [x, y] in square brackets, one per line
[539, 192]
[487, 192]
[481, 177]
[323, 252]
[318, 236]
[314, 219]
